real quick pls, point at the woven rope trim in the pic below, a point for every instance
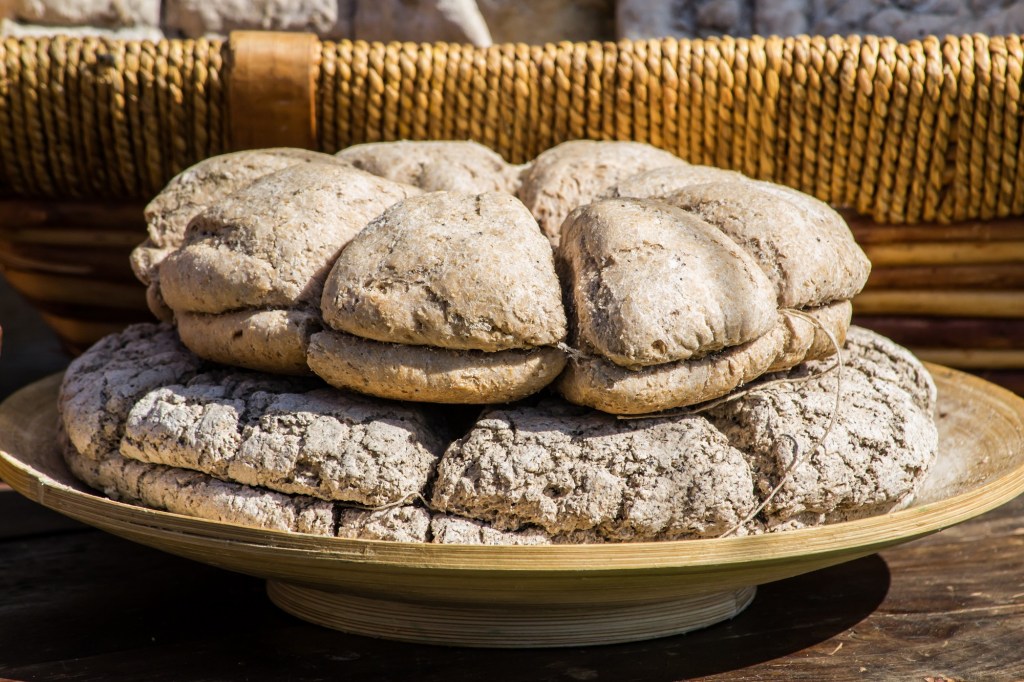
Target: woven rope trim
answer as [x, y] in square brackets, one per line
[918, 132]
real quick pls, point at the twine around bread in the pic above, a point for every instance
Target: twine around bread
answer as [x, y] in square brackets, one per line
[922, 131]
[798, 457]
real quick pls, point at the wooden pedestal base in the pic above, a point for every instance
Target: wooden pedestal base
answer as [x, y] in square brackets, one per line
[524, 626]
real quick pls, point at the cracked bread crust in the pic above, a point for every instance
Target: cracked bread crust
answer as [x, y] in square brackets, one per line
[527, 474]
[101, 385]
[567, 470]
[127, 372]
[282, 436]
[883, 442]
[192, 493]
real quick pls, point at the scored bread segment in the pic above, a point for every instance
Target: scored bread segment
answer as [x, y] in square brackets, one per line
[805, 247]
[192, 191]
[650, 284]
[661, 182]
[447, 297]
[451, 270]
[272, 243]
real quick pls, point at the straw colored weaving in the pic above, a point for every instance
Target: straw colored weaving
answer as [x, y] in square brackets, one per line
[911, 135]
[922, 131]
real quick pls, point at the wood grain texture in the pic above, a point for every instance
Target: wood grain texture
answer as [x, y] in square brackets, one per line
[940, 302]
[271, 89]
[867, 231]
[945, 253]
[70, 260]
[123, 216]
[1010, 379]
[973, 358]
[947, 605]
[949, 332]
[928, 277]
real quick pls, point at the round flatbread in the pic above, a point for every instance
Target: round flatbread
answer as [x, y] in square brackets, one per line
[882, 444]
[567, 470]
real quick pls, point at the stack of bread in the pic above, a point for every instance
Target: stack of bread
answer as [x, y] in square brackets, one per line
[416, 341]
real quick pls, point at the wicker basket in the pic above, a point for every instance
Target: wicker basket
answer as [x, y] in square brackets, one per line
[925, 138]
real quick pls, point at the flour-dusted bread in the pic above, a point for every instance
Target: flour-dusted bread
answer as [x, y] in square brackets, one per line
[265, 340]
[446, 297]
[566, 469]
[101, 385]
[451, 270]
[662, 182]
[650, 284]
[575, 173]
[804, 246]
[407, 523]
[593, 381]
[883, 442]
[434, 375]
[286, 437]
[146, 422]
[272, 243]
[268, 247]
[665, 310]
[141, 393]
[192, 493]
[446, 529]
[193, 190]
[455, 165]
[661, 322]
[99, 390]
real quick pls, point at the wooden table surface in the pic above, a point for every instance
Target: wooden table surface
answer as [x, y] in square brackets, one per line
[78, 604]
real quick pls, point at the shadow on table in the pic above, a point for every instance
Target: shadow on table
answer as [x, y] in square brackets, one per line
[89, 606]
[785, 617]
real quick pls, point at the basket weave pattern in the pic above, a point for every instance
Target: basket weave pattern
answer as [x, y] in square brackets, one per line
[917, 132]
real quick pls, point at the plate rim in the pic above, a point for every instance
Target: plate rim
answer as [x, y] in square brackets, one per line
[848, 538]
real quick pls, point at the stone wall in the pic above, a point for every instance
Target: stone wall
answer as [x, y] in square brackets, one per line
[532, 21]
[474, 21]
[903, 19]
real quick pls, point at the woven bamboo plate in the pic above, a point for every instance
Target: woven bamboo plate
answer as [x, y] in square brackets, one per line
[535, 596]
